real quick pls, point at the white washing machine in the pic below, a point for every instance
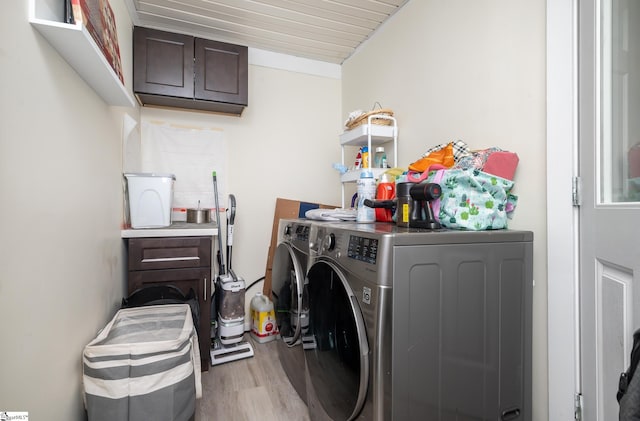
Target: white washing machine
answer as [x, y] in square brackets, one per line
[408, 324]
[289, 269]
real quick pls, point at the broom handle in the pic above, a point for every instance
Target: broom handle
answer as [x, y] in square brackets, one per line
[231, 216]
[220, 257]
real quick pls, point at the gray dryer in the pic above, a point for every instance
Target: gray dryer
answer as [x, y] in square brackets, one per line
[408, 324]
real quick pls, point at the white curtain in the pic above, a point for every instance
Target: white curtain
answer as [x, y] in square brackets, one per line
[191, 154]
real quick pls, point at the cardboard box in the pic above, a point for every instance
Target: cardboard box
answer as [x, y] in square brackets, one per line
[285, 209]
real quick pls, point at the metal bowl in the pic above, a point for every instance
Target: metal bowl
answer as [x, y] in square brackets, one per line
[198, 216]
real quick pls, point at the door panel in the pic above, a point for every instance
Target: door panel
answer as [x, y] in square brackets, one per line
[164, 63]
[462, 332]
[609, 73]
[221, 72]
[613, 286]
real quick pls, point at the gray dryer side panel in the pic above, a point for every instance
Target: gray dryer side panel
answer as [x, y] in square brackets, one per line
[462, 332]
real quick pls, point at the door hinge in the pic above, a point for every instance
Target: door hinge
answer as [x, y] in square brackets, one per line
[576, 190]
[577, 407]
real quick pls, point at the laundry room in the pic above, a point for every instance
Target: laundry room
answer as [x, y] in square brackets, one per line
[449, 71]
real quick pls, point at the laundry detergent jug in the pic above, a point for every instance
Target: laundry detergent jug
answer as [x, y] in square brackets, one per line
[263, 319]
[386, 190]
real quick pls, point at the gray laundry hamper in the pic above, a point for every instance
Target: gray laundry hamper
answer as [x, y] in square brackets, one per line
[144, 365]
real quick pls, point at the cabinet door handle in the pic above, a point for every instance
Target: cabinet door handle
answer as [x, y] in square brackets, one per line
[170, 259]
[204, 290]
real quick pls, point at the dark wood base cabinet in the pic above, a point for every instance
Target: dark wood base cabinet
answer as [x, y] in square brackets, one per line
[184, 262]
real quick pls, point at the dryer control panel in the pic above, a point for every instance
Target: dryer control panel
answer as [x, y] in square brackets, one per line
[296, 232]
[302, 232]
[363, 249]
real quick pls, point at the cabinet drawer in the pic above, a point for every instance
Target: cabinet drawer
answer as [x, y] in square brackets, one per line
[169, 253]
[184, 279]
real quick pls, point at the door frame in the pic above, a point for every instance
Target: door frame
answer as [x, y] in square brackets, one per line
[562, 217]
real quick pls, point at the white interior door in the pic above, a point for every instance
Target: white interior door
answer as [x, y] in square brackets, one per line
[609, 139]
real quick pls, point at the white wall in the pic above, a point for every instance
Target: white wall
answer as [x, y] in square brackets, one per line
[61, 270]
[455, 69]
[283, 145]
[473, 71]
[62, 274]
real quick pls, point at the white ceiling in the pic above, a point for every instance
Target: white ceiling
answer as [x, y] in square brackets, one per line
[324, 30]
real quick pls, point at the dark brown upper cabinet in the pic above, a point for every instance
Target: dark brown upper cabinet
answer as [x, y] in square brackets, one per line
[176, 70]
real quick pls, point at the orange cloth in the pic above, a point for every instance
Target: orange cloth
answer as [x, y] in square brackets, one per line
[443, 157]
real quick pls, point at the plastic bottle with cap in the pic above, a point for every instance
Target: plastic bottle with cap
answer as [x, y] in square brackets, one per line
[365, 157]
[366, 190]
[380, 159]
[358, 163]
[386, 190]
[263, 319]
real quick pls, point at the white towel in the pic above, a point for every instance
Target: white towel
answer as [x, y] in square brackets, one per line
[331, 214]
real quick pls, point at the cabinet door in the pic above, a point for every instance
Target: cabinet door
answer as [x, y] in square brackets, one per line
[198, 279]
[163, 63]
[220, 72]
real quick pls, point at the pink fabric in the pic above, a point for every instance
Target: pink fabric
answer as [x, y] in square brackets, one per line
[502, 163]
[634, 161]
[416, 177]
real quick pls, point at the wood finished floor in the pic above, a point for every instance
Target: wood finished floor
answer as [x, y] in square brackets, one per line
[251, 389]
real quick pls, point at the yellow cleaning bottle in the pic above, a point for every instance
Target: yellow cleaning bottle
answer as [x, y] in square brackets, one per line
[263, 319]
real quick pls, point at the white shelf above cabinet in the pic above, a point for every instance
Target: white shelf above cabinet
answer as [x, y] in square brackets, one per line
[77, 47]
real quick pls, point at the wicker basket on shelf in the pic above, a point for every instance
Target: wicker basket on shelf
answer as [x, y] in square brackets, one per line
[363, 118]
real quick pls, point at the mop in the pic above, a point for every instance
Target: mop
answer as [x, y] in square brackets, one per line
[230, 291]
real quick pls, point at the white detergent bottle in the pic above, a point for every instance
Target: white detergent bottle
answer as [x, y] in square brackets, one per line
[263, 319]
[366, 189]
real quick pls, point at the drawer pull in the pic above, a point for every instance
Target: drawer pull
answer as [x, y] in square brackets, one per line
[510, 414]
[205, 289]
[170, 259]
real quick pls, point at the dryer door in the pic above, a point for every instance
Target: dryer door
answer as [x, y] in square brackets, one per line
[287, 282]
[336, 347]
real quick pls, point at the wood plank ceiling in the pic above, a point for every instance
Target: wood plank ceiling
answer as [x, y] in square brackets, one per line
[324, 30]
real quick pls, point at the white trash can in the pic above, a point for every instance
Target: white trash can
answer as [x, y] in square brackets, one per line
[150, 199]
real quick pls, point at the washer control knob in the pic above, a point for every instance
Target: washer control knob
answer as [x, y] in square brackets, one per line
[287, 230]
[330, 241]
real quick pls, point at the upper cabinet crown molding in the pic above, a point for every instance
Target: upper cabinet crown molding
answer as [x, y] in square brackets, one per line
[177, 70]
[77, 47]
